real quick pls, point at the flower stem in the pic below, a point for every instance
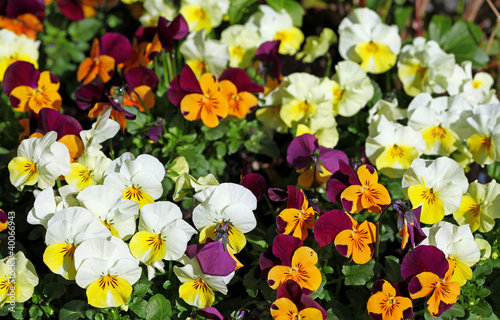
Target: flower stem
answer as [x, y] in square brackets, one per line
[377, 237]
[328, 65]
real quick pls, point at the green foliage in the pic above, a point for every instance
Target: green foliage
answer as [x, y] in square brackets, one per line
[360, 274]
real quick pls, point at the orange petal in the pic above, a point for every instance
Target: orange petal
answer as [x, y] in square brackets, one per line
[444, 293]
[22, 94]
[87, 71]
[353, 194]
[343, 242]
[191, 106]
[367, 175]
[48, 99]
[291, 217]
[45, 82]
[310, 313]
[282, 308]
[374, 197]
[74, 144]
[106, 68]
[214, 109]
[363, 239]
[304, 256]
[94, 51]
[209, 84]
[278, 275]
[423, 284]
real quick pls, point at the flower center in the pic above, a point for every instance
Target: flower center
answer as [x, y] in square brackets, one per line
[107, 281]
[156, 242]
[429, 196]
[477, 84]
[30, 168]
[397, 152]
[439, 132]
[371, 47]
[337, 94]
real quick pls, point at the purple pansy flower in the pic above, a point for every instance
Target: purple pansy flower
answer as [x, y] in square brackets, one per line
[409, 224]
[268, 53]
[212, 258]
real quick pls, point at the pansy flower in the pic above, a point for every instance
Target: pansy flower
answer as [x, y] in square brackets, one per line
[107, 270]
[110, 50]
[253, 181]
[408, 224]
[39, 161]
[430, 277]
[23, 17]
[141, 85]
[211, 313]
[367, 193]
[386, 303]
[203, 14]
[162, 235]
[436, 185]
[357, 240]
[297, 219]
[279, 253]
[236, 85]
[20, 48]
[292, 303]
[4, 222]
[88, 170]
[29, 89]
[242, 44]
[268, 54]
[197, 289]
[301, 269]
[316, 163]
[210, 106]
[18, 276]
[48, 202]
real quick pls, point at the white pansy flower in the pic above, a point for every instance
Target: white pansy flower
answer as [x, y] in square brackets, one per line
[242, 44]
[203, 14]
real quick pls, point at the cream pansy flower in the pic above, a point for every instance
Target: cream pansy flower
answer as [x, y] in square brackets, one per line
[197, 288]
[19, 48]
[394, 148]
[39, 161]
[435, 185]
[305, 96]
[138, 179]
[242, 44]
[364, 39]
[352, 89]
[204, 55]
[436, 118]
[103, 129]
[88, 170]
[66, 230]
[476, 90]
[47, 204]
[162, 235]
[203, 14]
[107, 270]
[481, 130]
[108, 206]
[480, 206]
[458, 245]
[225, 212]
[323, 128]
[424, 67]
[18, 276]
[384, 109]
[154, 9]
[273, 25]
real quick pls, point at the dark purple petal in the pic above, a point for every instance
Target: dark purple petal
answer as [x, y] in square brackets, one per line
[155, 131]
[19, 7]
[145, 34]
[308, 302]
[142, 76]
[241, 80]
[165, 34]
[212, 258]
[300, 149]
[71, 9]
[3, 216]
[255, 183]
[210, 313]
[347, 204]
[280, 225]
[88, 95]
[183, 84]
[424, 258]
[267, 260]
[277, 194]
[375, 316]
[329, 225]
[179, 27]
[334, 188]
[331, 158]
[283, 247]
[20, 73]
[377, 286]
[295, 198]
[290, 290]
[52, 120]
[115, 45]
[342, 249]
[268, 52]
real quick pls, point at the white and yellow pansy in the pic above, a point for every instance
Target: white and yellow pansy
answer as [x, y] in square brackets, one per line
[204, 55]
[351, 89]
[394, 148]
[18, 279]
[324, 128]
[107, 270]
[479, 206]
[225, 213]
[20, 48]
[66, 230]
[203, 14]
[154, 9]
[47, 204]
[107, 204]
[162, 235]
[138, 179]
[424, 67]
[364, 39]
[103, 129]
[273, 25]
[242, 44]
[435, 185]
[384, 109]
[197, 288]
[39, 161]
[88, 170]
[458, 245]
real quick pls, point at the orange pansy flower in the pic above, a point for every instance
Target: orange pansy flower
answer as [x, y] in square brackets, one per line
[240, 103]
[358, 241]
[102, 66]
[44, 95]
[27, 24]
[302, 270]
[211, 106]
[298, 220]
[369, 194]
[386, 304]
[285, 309]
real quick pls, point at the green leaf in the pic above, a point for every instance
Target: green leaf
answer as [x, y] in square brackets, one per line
[482, 309]
[215, 133]
[220, 148]
[35, 312]
[250, 283]
[233, 146]
[139, 308]
[237, 9]
[483, 292]
[85, 29]
[392, 269]
[402, 15]
[73, 310]
[276, 4]
[296, 11]
[158, 308]
[438, 27]
[359, 274]
[463, 41]
[494, 170]
[54, 291]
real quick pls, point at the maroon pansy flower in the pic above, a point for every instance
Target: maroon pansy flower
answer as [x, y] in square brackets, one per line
[268, 53]
[292, 291]
[182, 85]
[409, 224]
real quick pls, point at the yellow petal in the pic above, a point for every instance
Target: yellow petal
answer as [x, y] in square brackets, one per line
[147, 247]
[59, 258]
[197, 293]
[108, 291]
